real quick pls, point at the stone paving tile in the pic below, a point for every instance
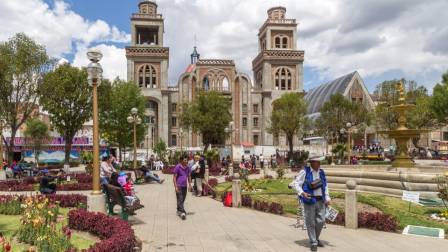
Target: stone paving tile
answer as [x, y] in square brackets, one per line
[212, 227]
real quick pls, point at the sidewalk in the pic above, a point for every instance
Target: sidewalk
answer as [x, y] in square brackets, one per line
[212, 227]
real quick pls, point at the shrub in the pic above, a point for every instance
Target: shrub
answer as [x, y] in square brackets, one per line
[68, 200]
[228, 178]
[213, 182]
[276, 208]
[280, 172]
[261, 206]
[116, 234]
[246, 201]
[74, 187]
[168, 170]
[10, 205]
[375, 221]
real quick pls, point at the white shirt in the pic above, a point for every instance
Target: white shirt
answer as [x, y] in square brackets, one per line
[300, 179]
[106, 170]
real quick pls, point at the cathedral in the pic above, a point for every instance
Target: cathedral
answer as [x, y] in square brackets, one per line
[277, 69]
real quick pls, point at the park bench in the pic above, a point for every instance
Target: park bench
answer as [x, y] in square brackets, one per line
[115, 196]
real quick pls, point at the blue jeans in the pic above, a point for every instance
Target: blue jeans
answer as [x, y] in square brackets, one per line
[149, 175]
[104, 180]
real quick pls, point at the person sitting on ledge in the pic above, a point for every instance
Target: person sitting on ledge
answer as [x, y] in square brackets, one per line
[149, 175]
[46, 183]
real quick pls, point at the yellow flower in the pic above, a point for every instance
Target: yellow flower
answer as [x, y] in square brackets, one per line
[50, 213]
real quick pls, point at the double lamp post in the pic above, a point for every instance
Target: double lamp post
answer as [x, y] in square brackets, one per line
[135, 120]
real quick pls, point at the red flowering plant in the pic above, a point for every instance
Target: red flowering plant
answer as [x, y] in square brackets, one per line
[376, 221]
[116, 234]
[5, 245]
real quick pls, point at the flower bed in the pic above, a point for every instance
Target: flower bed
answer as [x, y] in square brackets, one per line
[79, 182]
[11, 204]
[264, 206]
[375, 221]
[208, 189]
[168, 170]
[39, 226]
[116, 234]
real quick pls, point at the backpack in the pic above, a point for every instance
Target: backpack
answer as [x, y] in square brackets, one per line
[227, 199]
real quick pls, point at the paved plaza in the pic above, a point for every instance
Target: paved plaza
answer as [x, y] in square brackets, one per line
[212, 227]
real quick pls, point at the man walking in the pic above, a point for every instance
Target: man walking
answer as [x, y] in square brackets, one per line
[311, 186]
[180, 179]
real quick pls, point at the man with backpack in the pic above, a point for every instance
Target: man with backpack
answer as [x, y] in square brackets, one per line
[311, 186]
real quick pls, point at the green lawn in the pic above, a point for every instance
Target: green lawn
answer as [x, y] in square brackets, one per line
[9, 224]
[277, 191]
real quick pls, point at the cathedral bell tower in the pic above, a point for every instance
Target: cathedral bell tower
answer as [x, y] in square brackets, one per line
[147, 58]
[278, 67]
[147, 66]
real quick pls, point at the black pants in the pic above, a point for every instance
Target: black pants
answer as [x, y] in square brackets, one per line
[180, 196]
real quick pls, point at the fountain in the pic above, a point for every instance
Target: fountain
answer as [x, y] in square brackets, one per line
[402, 134]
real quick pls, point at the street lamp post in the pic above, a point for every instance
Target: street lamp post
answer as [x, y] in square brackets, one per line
[350, 129]
[95, 71]
[135, 120]
[181, 134]
[2, 124]
[147, 146]
[230, 130]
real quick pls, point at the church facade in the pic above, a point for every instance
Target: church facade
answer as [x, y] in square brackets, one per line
[277, 69]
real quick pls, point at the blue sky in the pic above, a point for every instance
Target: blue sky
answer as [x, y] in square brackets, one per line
[381, 39]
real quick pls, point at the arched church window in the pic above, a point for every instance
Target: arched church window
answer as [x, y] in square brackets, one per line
[225, 84]
[281, 41]
[278, 42]
[206, 84]
[285, 42]
[283, 79]
[147, 76]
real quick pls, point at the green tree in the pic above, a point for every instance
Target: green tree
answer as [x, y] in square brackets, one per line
[208, 115]
[160, 150]
[23, 64]
[66, 95]
[387, 95]
[37, 131]
[289, 117]
[337, 112]
[439, 100]
[115, 103]
[420, 117]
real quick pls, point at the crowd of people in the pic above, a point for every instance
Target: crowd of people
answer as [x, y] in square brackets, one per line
[372, 148]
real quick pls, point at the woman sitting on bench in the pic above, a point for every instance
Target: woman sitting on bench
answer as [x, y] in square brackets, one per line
[130, 196]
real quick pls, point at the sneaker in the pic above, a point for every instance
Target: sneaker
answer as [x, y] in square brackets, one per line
[183, 216]
[320, 244]
[313, 247]
[161, 181]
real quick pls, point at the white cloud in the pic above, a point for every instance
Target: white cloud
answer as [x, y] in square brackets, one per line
[113, 62]
[374, 37]
[57, 28]
[338, 36]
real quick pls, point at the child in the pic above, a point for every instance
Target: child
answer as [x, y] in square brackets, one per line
[130, 196]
